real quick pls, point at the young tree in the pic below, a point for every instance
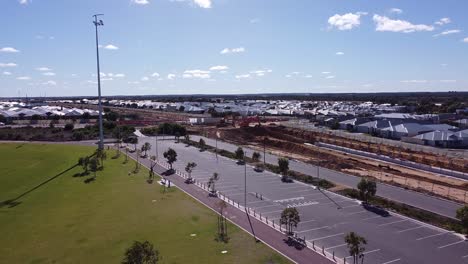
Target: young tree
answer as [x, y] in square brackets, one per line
[189, 168]
[222, 223]
[152, 165]
[367, 189]
[283, 165]
[462, 215]
[355, 246]
[94, 165]
[141, 253]
[239, 154]
[171, 156]
[212, 181]
[256, 156]
[101, 155]
[290, 217]
[202, 144]
[137, 163]
[84, 162]
[146, 147]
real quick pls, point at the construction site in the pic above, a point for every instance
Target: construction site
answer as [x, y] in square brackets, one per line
[302, 145]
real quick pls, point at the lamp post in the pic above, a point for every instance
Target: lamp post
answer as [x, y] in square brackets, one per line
[101, 133]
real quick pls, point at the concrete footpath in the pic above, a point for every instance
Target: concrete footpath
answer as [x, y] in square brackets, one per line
[263, 232]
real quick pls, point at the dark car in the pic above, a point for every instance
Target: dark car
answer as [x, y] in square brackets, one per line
[376, 209]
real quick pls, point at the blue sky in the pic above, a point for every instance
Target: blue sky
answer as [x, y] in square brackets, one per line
[233, 46]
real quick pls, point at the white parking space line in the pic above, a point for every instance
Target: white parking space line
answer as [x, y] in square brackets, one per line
[466, 256]
[337, 246]
[320, 238]
[303, 231]
[270, 212]
[394, 222]
[308, 221]
[267, 206]
[451, 244]
[392, 261]
[409, 229]
[435, 235]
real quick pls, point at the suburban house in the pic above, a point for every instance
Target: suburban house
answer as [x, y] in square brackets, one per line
[445, 139]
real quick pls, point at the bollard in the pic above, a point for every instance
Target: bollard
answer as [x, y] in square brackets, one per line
[313, 244]
[266, 217]
[281, 230]
[323, 251]
[261, 197]
[256, 195]
[344, 260]
[273, 221]
[333, 255]
[254, 214]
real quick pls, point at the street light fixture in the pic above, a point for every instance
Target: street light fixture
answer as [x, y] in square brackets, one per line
[101, 133]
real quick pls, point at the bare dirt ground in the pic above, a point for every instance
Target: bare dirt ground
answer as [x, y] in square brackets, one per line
[290, 142]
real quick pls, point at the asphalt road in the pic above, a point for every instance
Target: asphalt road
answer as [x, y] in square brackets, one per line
[426, 202]
[325, 217]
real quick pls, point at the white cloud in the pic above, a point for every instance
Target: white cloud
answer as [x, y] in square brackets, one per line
[171, 76]
[199, 74]
[107, 79]
[243, 76]
[448, 32]
[347, 21]
[261, 72]
[155, 74]
[48, 74]
[219, 68]
[9, 64]
[23, 2]
[396, 11]
[140, 2]
[145, 78]
[233, 50]
[9, 50]
[443, 21]
[308, 76]
[134, 82]
[326, 72]
[53, 83]
[24, 78]
[339, 53]
[119, 75]
[414, 81]
[6, 73]
[111, 47]
[448, 81]
[200, 3]
[203, 3]
[465, 40]
[330, 77]
[384, 23]
[43, 69]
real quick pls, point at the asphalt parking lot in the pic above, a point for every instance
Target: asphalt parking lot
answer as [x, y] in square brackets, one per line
[325, 217]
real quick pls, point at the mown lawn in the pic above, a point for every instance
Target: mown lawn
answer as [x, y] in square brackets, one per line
[66, 220]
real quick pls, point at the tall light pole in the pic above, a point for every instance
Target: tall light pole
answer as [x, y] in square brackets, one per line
[101, 133]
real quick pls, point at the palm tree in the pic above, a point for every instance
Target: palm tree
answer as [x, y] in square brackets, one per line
[84, 163]
[239, 154]
[256, 156]
[171, 156]
[462, 215]
[94, 165]
[146, 147]
[141, 253]
[189, 168]
[290, 217]
[283, 166]
[367, 189]
[355, 247]
[212, 181]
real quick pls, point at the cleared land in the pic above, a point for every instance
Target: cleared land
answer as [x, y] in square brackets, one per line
[66, 220]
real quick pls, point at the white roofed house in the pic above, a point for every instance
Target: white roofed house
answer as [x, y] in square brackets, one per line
[374, 127]
[404, 130]
[351, 124]
[444, 139]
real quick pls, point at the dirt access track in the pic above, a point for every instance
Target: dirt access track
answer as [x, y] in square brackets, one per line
[291, 142]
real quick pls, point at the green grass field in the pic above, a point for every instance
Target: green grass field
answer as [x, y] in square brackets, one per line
[68, 221]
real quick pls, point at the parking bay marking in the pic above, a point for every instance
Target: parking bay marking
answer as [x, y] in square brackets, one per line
[439, 234]
[409, 229]
[320, 238]
[394, 222]
[451, 244]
